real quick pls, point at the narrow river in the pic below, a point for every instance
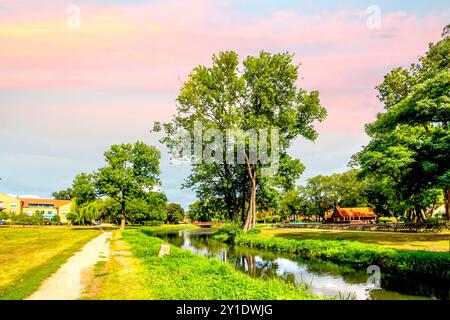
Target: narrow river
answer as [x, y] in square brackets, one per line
[323, 278]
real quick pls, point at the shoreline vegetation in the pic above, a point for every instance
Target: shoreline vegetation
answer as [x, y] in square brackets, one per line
[358, 255]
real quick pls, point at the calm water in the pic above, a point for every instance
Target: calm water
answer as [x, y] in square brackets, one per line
[322, 277]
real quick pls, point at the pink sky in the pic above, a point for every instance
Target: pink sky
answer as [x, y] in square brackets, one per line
[144, 52]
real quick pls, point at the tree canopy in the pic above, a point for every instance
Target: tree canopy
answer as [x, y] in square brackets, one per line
[131, 170]
[410, 141]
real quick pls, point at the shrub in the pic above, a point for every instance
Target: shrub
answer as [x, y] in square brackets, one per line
[21, 218]
[38, 218]
[276, 218]
[254, 231]
[228, 231]
[72, 217]
[387, 220]
[3, 215]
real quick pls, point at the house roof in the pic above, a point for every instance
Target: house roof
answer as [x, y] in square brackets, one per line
[356, 212]
[53, 202]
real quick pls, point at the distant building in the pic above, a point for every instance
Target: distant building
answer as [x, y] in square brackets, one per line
[48, 207]
[10, 204]
[351, 215]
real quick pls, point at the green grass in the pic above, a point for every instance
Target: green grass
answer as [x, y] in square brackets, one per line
[184, 275]
[435, 265]
[119, 278]
[30, 255]
[396, 240]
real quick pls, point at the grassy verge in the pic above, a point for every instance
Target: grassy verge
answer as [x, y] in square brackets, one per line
[30, 255]
[184, 275]
[402, 241]
[121, 277]
[359, 255]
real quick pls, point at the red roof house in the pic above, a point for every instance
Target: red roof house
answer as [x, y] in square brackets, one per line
[351, 215]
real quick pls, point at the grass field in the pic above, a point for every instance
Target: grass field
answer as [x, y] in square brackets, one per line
[179, 275]
[402, 241]
[28, 255]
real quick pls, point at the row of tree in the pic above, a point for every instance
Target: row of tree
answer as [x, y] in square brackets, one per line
[404, 170]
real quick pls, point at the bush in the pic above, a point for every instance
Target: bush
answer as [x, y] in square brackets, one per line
[387, 220]
[253, 231]
[228, 231]
[3, 215]
[276, 218]
[38, 218]
[268, 219]
[21, 218]
[72, 217]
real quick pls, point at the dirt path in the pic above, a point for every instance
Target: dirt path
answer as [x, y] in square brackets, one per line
[66, 283]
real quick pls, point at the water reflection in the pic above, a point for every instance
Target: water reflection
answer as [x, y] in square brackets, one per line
[323, 278]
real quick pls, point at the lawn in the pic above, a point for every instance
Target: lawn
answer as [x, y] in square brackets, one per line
[179, 275]
[402, 241]
[28, 255]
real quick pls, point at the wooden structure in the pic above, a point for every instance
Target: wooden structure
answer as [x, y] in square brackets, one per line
[351, 215]
[205, 224]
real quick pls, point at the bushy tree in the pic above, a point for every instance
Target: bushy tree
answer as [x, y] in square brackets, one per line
[175, 213]
[131, 170]
[410, 140]
[66, 194]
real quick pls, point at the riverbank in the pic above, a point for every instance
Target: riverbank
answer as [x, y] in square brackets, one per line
[435, 265]
[439, 242]
[184, 275]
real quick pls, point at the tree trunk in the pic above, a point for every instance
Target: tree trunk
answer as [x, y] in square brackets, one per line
[122, 222]
[250, 221]
[447, 203]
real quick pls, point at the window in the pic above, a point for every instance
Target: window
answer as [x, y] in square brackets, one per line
[13, 204]
[64, 212]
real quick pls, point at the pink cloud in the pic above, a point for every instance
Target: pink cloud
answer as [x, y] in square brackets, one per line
[153, 47]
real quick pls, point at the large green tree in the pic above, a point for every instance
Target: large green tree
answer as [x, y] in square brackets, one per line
[83, 189]
[65, 194]
[261, 95]
[175, 213]
[410, 140]
[131, 171]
